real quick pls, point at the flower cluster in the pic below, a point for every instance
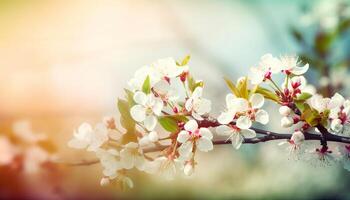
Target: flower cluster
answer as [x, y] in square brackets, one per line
[165, 122]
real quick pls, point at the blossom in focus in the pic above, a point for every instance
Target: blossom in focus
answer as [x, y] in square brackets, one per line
[197, 105]
[235, 134]
[268, 65]
[167, 68]
[244, 111]
[146, 110]
[290, 65]
[192, 135]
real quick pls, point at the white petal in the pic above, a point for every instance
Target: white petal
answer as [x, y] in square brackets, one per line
[336, 101]
[85, 127]
[257, 100]
[203, 106]
[239, 104]
[300, 70]
[229, 99]
[185, 149]
[138, 113]
[206, 133]
[189, 104]
[139, 162]
[204, 144]
[78, 144]
[248, 133]
[262, 116]
[140, 98]
[244, 122]
[157, 107]
[191, 125]
[197, 93]
[237, 140]
[183, 136]
[153, 136]
[224, 130]
[226, 117]
[127, 159]
[150, 122]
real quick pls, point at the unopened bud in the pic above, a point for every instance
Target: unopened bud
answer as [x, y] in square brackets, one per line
[189, 169]
[284, 110]
[287, 122]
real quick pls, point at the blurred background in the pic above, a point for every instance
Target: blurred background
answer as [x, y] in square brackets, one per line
[65, 62]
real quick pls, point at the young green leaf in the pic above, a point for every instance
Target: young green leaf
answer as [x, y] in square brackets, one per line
[232, 87]
[243, 87]
[267, 94]
[185, 60]
[304, 96]
[169, 124]
[146, 87]
[125, 118]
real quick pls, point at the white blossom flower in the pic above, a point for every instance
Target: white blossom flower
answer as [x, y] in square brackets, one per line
[87, 137]
[167, 68]
[201, 137]
[165, 166]
[244, 111]
[295, 147]
[289, 65]
[131, 156]
[197, 105]
[109, 162]
[8, 151]
[151, 137]
[140, 76]
[235, 134]
[320, 156]
[268, 65]
[147, 109]
[164, 90]
[318, 102]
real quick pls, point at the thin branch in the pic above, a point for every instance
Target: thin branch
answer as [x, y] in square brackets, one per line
[267, 136]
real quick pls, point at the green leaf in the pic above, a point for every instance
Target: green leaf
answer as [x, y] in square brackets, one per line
[185, 60]
[311, 116]
[169, 124]
[243, 88]
[300, 105]
[179, 118]
[129, 97]
[267, 94]
[304, 96]
[232, 87]
[125, 118]
[146, 87]
[191, 83]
